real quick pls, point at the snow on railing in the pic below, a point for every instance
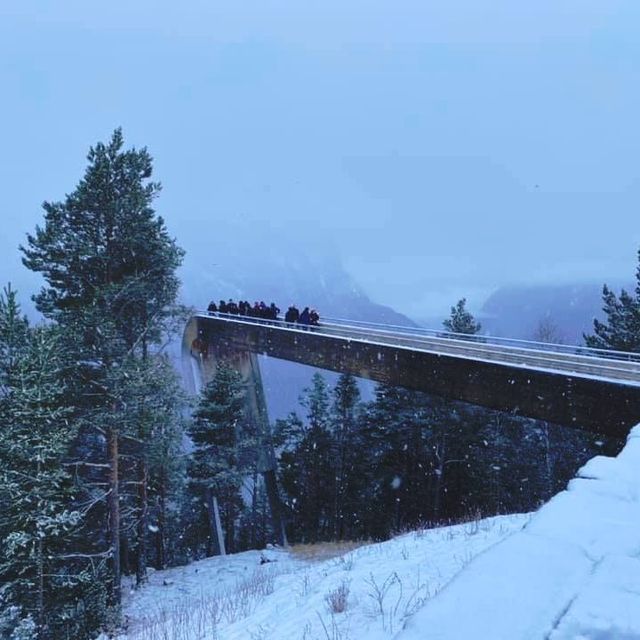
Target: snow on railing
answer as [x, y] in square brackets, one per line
[421, 337]
[495, 340]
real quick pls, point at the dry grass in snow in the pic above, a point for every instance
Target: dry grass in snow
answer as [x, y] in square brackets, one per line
[344, 591]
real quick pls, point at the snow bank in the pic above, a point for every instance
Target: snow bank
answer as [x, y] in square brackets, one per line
[572, 573]
[289, 597]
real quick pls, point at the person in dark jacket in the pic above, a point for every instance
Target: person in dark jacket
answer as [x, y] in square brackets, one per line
[292, 315]
[273, 311]
[212, 308]
[314, 318]
[222, 307]
[304, 317]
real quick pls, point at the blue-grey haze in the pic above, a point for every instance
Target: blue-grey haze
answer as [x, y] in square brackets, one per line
[440, 148]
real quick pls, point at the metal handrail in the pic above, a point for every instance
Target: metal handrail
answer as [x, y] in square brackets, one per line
[537, 358]
[488, 339]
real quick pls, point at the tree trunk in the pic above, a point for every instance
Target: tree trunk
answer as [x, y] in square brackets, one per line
[338, 507]
[143, 510]
[114, 516]
[216, 539]
[219, 534]
[162, 522]
[40, 597]
[254, 509]
[39, 574]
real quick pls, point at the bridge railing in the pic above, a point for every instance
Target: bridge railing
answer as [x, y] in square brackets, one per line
[535, 345]
[420, 337]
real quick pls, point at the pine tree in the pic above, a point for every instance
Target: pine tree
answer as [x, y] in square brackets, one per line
[461, 320]
[166, 465]
[150, 402]
[109, 265]
[621, 330]
[307, 467]
[36, 488]
[318, 470]
[316, 400]
[13, 333]
[107, 258]
[222, 451]
[346, 453]
[399, 431]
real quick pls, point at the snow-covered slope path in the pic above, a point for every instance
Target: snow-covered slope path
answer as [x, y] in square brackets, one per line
[573, 572]
[380, 585]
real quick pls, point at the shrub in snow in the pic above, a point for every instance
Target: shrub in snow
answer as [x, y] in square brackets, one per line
[337, 599]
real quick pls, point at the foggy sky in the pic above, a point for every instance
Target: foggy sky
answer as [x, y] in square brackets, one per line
[444, 148]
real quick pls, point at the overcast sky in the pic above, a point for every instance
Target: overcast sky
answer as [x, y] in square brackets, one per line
[445, 147]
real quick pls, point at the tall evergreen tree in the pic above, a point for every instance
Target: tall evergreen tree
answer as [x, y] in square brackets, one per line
[307, 467]
[108, 260]
[318, 473]
[166, 465]
[150, 402]
[110, 268]
[347, 454]
[36, 488]
[399, 430]
[222, 454]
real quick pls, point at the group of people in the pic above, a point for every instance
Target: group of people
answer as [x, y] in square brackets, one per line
[306, 317]
[245, 308]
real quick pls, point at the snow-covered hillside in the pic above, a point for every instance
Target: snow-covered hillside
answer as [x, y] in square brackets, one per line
[295, 596]
[573, 573]
[569, 571]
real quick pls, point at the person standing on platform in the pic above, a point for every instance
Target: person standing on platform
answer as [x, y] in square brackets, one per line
[304, 317]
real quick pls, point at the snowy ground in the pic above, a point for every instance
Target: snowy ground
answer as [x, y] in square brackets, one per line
[569, 571]
[237, 598]
[573, 573]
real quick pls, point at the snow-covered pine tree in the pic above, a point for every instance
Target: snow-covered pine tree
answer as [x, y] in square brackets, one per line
[36, 488]
[150, 402]
[166, 463]
[220, 458]
[13, 332]
[461, 320]
[110, 268]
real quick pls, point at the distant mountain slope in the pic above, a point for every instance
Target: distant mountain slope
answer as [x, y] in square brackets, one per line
[274, 268]
[257, 262]
[515, 311]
